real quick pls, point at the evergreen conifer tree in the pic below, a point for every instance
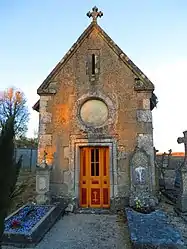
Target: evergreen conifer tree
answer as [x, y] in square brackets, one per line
[9, 170]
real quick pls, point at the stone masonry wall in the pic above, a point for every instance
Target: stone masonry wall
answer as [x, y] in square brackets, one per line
[45, 137]
[130, 123]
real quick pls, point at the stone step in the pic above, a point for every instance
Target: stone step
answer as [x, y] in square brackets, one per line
[93, 211]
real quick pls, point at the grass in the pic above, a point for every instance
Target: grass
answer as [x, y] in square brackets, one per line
[25, 190]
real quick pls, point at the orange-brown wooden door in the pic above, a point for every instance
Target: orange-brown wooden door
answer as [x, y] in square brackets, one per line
[94, 177]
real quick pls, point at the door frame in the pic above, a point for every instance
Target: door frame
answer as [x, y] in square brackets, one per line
[100, 182]
[75, 161]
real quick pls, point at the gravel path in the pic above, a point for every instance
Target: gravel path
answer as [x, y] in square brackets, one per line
[82, 231]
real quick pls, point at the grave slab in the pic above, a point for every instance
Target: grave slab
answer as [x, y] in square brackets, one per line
[30, 236]
[152, 231]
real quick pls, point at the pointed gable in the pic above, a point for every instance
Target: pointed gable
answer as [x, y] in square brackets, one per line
[142, 83]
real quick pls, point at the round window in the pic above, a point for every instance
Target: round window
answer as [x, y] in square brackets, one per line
[94, 112]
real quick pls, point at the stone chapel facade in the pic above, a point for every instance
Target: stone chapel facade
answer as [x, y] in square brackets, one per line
[94, 110]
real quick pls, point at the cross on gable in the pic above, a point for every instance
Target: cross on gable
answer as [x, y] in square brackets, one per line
[95, 14]
[183, 140]
[170, 152]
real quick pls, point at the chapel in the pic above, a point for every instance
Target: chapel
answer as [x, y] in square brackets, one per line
[95, 108]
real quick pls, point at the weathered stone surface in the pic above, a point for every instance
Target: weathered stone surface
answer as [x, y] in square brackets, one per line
[181, 202]
[140, 176]
[152, 231]
[68, 178]
[144, 127]
[139, 164]
[146, 104]
[144, 116]
[94, 112]
[140, 181]
[114, 85]
[42, 199]
[169, 178]
[46, 117]
[42, 129]
[31, 238]
[44, 102]
[145, 141]
[66, 152]
[42, 185]
[45, 140]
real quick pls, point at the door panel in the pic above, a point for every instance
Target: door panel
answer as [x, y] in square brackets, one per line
[94, 177]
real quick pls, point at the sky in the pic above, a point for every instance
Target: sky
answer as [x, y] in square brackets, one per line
[35, 35]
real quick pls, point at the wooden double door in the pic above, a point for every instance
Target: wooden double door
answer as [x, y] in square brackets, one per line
[94, 177]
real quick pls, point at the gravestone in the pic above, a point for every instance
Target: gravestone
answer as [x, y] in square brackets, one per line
[152, 231]
[42, 182]
[164, 160]
[181, 203]
[140, 180]
[157, 171]
[169, 174]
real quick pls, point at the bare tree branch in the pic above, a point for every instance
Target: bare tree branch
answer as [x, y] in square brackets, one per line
[13, 104]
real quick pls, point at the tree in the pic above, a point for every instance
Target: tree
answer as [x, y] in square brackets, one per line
[6, 168]
[9, 169]
[13, 104]
[25, 142]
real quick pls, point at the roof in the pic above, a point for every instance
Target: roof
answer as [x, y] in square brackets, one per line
[141, 80]
[36, 106]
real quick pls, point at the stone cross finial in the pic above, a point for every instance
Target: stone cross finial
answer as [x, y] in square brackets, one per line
[95, 14]
[183, 140]
[170, 151]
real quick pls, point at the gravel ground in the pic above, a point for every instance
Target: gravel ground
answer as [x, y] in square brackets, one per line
[82, 231]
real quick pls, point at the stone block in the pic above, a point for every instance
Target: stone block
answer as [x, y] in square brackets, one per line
[152, 231]
[169, 178]
[122, 165]
[58, 189]
[146, 104]
[43, 102]
[42, 199]
[66, 152]
[144, 116]
[45, 140]
[145, 141]
[145, 128]
[42, 129]
[45, 117]
[115, 177]
[122, 178]
[181, 203]
[123, 190]
[115, 190]
[68, 178]
[69, 208]
[42, 184]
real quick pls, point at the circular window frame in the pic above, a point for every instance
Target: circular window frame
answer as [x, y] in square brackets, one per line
[111, 118]
[89, 125]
